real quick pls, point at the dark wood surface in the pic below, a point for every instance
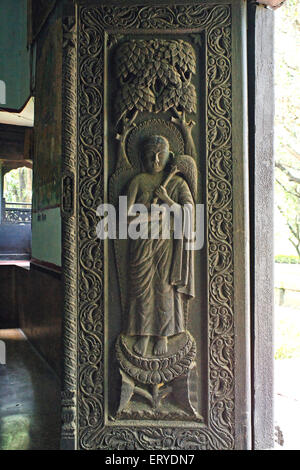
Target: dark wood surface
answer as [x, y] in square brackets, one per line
[8, 308]
[39, 297]
[234, 386]
[15, 145]
[32, 300]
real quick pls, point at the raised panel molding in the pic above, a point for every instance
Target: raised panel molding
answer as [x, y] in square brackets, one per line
[85, 417]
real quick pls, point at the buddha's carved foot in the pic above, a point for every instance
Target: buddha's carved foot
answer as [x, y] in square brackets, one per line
[161, 346]
[141, 345]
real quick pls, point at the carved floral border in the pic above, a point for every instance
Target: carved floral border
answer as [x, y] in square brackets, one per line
[94, 23]
[69, 230]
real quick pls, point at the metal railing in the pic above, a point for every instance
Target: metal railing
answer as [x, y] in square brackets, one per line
[16, 213]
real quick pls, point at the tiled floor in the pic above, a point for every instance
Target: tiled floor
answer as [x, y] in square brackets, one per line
[29, 398]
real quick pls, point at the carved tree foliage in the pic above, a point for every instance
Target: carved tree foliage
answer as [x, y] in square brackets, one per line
[155, 76]
[94, 22]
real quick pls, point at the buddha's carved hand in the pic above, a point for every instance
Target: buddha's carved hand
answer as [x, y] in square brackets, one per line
[161, 193]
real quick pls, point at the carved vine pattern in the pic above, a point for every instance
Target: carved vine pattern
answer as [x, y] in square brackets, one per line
[69, 230]
[94, 23]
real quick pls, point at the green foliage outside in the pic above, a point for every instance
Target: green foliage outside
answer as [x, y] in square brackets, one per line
[287, 259]
[287, 117]
[287, 333]
[18, 185]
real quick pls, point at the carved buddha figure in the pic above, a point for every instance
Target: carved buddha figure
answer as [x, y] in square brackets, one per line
[161, 276]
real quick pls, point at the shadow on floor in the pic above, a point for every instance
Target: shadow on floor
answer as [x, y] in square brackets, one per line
[29, 398]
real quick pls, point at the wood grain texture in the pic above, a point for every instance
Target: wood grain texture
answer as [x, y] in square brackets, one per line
[95, 23]
[261, 116]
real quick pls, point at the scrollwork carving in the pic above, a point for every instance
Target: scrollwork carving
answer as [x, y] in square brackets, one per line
[69, 230]
[215, 22]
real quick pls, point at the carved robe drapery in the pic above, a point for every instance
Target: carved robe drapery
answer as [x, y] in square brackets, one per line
[217, 34]
[161, 275]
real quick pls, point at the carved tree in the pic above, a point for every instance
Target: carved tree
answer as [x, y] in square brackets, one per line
[218, 431]
[155, 76]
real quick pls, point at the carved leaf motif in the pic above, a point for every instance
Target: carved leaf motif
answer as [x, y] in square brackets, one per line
[215, 20]
[155, 75]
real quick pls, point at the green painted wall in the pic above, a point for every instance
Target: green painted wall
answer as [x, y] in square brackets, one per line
[14, 55]
[46, 222]
[46, 236]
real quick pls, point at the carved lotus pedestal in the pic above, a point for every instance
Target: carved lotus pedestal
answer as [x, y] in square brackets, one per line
[158, 387]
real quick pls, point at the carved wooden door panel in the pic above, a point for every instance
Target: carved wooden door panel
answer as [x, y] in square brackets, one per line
[156, 336]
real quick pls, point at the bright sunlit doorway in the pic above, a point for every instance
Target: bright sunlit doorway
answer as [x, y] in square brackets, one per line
[287, 226]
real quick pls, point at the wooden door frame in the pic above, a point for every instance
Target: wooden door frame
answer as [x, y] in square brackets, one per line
[80, 428]
[261, 178]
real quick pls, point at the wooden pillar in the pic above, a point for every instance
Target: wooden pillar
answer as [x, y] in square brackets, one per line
[118, 392]
[261, 169]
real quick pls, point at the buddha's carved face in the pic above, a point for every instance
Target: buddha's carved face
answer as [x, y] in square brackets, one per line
[156, 154]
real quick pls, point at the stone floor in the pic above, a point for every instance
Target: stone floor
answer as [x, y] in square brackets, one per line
[29, 398]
